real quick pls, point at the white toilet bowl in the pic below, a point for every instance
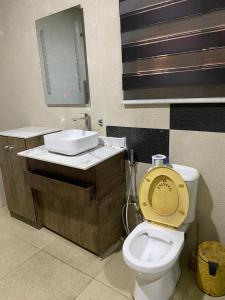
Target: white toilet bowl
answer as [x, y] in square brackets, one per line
[153, 252]
[152, 249]
[167, 199]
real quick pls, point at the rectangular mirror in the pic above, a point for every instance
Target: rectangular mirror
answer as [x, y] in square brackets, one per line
[61, 42]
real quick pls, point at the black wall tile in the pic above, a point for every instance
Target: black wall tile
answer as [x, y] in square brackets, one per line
[198, 117]
[144, 141]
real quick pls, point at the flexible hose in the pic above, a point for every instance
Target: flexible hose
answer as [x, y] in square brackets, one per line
[126, 205]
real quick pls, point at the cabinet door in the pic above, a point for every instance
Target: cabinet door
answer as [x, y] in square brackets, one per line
[6, 172]
[23, 203]
[3, 145]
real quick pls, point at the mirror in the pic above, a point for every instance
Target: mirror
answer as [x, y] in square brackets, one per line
[61, 43]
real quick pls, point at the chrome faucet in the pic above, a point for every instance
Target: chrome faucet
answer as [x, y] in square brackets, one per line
[86, 119]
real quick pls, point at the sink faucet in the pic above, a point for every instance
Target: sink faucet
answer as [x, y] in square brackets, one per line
[86, 119]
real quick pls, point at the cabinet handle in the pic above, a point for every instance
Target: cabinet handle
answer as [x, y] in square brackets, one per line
[11, 148]
[6, 148]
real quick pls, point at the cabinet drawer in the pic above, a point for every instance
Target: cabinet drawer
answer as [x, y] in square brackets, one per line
[81, 192]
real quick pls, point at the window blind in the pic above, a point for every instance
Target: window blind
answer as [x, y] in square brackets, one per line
[173, 49]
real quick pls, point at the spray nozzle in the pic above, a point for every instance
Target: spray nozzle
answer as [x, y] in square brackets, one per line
[131, 157]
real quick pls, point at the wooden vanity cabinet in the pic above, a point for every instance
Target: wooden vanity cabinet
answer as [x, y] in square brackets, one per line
[18, 194]
[83, 206]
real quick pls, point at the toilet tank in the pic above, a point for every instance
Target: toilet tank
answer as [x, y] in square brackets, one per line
[191, 177]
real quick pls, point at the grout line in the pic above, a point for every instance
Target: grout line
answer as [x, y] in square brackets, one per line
[19, 238]
[22, 239]
[25, 240]
[20, 265]
[74, 267]
[64, 262]
[92, 278]
[75, 297]
[111, 287]
[114, 289]
[113, 255]
[97, 281]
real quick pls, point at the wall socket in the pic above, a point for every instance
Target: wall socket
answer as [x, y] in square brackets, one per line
[100, 123]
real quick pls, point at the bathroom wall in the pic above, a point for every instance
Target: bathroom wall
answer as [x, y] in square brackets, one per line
[21, 84]
[22, 98]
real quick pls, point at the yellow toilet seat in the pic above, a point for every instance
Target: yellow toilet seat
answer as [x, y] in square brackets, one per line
[164, 197]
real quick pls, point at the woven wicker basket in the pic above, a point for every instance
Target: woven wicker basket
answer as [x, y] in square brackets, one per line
[211, 268]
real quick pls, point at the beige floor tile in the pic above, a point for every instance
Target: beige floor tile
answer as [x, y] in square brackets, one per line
[43, 278]
[4, 211]
[77, 257]
[13, 252]
[118, 276]
[187, 288]
[98, 291]
[38, 238]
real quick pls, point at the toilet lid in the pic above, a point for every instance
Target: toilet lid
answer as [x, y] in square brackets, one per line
[164, 197]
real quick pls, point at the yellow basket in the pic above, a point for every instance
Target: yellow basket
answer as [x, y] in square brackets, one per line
[211, 268]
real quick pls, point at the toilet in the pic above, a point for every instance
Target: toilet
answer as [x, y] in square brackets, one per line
[167, 199]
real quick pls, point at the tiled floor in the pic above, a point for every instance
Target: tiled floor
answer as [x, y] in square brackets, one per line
[39, 265]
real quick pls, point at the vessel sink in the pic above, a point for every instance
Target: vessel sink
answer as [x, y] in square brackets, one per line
[71, 142]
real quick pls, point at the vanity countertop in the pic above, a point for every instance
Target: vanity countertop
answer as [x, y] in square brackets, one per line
[81, 161]
[28, 132]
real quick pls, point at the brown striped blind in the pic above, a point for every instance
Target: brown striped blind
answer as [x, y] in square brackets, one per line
[173, 49]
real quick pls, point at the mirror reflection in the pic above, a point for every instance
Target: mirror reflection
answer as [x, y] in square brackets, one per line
[61, 43]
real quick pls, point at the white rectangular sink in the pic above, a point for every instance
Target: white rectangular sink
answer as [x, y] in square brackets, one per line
[71, 142]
